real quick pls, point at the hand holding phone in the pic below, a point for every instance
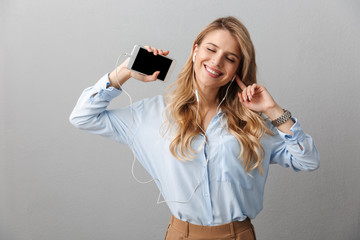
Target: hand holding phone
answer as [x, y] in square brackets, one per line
[127, 69]
[147, 61]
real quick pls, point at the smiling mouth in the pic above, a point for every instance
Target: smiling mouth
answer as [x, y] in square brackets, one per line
[213, 71]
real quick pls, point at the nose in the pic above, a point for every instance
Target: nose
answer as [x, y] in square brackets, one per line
[216, 59]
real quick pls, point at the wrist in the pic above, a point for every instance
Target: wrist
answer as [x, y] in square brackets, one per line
[274, 112]
[118, 77]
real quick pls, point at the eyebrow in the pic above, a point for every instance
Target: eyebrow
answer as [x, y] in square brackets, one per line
[231, 53]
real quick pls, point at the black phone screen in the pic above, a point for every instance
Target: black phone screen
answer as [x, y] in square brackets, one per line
[147, 63]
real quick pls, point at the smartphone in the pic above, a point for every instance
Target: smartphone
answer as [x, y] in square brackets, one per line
[147, 63]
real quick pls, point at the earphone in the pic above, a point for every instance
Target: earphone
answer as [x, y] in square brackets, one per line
[197, 95]
[194, 55]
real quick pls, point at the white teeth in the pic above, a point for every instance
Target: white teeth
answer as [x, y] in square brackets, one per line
[215, 73]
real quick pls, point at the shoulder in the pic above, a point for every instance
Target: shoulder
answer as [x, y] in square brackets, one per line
[151, 107]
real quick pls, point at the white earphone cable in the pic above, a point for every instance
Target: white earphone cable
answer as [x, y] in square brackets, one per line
[204, 143]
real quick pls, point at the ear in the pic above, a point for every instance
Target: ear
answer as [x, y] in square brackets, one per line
[195, 49]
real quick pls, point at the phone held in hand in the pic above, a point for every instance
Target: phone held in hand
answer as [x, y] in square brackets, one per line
[147, 63]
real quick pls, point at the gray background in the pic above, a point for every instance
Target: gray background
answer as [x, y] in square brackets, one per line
[57, 182]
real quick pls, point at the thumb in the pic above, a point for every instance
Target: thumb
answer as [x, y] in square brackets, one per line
[152, 77]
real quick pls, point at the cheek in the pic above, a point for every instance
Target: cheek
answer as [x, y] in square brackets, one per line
[197, 65]
[233, 69]
[203, 55]
[200, 60]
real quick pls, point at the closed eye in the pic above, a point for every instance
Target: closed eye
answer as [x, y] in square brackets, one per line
[211, 50]
[231, 60]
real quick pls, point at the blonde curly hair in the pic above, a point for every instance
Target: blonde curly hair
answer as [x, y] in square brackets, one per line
[181, 107]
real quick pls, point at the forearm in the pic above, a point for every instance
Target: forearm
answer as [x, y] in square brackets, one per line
[119, 76]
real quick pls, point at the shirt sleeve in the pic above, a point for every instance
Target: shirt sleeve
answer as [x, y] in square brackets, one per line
[91, 114]
[287, 152]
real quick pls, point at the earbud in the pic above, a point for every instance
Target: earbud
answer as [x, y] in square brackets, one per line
[197, 95]
[194, 57]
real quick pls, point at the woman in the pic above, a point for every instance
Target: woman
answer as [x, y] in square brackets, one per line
[207, 144]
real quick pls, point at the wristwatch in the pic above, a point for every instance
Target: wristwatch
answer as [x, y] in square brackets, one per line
[282, 119]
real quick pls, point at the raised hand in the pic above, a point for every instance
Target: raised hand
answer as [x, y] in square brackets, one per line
[121, 74]
[153, 77]
[255, 97]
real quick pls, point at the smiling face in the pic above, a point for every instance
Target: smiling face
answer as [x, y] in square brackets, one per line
[217, 59]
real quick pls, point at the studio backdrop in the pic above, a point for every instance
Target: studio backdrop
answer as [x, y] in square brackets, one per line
[57, 182]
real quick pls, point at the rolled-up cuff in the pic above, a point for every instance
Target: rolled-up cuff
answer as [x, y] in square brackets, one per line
[102, 90]
[298, 133]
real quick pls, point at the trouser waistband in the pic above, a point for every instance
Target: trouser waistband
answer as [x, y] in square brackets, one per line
[193, 230]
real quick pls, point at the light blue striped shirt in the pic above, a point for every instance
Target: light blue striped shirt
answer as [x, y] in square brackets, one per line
[226, 192]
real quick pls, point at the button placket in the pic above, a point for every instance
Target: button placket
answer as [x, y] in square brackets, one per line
[206, 186]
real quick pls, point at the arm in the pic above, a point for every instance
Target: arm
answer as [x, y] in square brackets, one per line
[258, 99]
[296, 150]
[291, 147]
[90, 112]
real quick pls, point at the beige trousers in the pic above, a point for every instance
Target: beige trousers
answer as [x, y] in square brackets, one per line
[178, 229]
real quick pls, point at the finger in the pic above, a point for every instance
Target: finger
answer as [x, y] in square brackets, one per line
[253, 88]
[248, 92]
[165, 53]
[160, 52]
[155, 51]
[152, 77]
[148, 48]
[240, 83]
[244, 94]
[240, 97]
